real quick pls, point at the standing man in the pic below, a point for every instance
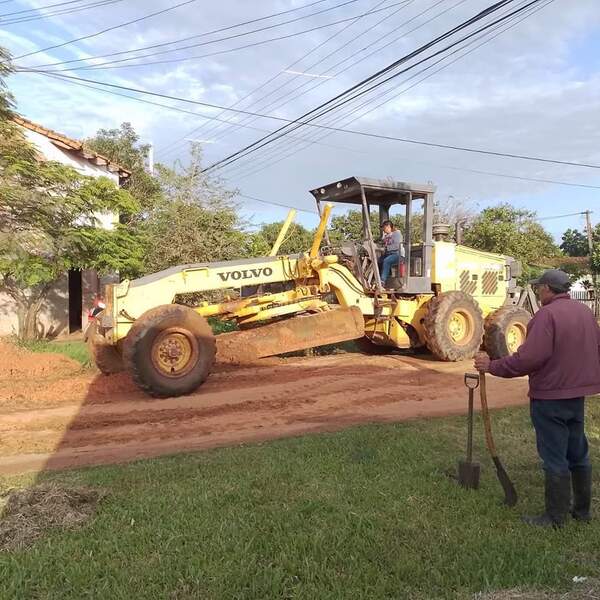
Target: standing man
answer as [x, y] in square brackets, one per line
[392, 242]
[561, 355]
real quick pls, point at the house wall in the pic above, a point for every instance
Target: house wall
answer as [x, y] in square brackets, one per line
[54, 316]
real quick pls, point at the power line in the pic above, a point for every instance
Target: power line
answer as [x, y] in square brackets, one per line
[62, 12]
[269, 105]
[462, 169]
[562, 216]
[204, 34]
[33, 10]
[339, 72]
[312, 212]
[102, 31]
[215, 127]
[182, 110]
[403, 91]
[117, 63]
[344, 98]
[325, 127]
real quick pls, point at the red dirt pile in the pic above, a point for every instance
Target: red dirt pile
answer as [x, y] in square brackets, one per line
[21, 363]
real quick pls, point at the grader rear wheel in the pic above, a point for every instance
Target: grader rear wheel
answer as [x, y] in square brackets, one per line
[505, 331]
[170, 350]
[453, 326]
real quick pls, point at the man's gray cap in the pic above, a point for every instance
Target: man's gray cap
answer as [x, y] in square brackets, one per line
[555, 279]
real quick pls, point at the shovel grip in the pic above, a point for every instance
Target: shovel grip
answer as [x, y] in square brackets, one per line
[485, 413]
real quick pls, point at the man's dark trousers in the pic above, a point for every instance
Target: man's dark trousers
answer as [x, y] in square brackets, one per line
[559, 429]
[563, 447]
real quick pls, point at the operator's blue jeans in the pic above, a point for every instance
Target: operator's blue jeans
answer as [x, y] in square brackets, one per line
[560, 436]
[387, 263]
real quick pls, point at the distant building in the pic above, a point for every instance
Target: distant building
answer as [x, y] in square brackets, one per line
[67, 304]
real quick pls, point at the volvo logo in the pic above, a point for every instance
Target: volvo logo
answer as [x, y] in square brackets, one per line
[245, 274]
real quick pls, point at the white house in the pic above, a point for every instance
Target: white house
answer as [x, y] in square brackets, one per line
[66, 309]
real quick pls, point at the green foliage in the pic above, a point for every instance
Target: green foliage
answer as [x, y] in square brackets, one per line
[574, 243]
[298, 239]
[6, 100]
[48, 218]
[77, 350]
[348, 227]
[123, 147]
[195, 221]
[508, 230]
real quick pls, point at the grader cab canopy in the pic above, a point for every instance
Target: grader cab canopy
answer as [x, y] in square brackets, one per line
[382, 194]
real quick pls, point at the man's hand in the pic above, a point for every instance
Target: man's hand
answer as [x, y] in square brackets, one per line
[482, 362]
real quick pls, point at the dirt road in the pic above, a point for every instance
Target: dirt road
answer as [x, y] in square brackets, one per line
[68, 418]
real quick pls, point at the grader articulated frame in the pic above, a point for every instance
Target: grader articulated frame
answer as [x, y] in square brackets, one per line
[283, 303]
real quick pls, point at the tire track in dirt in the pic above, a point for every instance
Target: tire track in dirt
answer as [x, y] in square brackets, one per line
[97, 419]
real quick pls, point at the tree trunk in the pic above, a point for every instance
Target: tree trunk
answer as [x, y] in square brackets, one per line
[28, 308]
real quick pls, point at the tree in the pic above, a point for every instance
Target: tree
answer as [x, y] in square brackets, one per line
[515, 232]
[6, 101]
[194, 221]
[298, 239]
[123, 147]
[48, 225]
[48, 214]
[348, 227]
[574, 243]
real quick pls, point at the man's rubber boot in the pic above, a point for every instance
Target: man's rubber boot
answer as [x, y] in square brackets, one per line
[558, 502]
[582, 494]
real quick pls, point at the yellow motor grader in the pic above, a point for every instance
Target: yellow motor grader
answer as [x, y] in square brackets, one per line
[444, 297]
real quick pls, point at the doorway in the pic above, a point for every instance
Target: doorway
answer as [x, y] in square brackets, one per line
[75, 301]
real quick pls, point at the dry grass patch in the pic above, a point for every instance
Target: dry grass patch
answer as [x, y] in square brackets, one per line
[586, 590]
[27, 514]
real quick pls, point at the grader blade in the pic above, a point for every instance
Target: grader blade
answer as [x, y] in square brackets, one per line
[297, 333]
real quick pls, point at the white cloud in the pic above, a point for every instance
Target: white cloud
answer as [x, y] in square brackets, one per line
[533, 90]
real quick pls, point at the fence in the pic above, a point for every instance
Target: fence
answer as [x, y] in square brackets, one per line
[587, 297]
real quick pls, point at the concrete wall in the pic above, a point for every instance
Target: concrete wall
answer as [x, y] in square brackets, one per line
[54, 317]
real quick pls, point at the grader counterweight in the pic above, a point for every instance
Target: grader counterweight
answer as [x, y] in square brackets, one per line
[437, 298]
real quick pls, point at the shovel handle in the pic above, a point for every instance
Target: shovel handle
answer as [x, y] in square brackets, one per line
[485, 413]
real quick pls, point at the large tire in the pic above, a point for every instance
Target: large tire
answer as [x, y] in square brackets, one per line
[505, 331]
[169, 350]
[453, 326]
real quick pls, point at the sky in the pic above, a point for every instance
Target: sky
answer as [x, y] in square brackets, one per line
[533, 89]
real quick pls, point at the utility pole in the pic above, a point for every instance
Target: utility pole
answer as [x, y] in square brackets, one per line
[590, 237]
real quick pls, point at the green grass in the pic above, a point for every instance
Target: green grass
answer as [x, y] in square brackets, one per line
[77, 350]
[365, 513]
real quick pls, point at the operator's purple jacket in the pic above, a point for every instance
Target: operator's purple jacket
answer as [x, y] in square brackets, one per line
[561, 354]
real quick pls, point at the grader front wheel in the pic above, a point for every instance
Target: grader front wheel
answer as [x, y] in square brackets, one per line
[170, 350]
[453, 326]
[505, 331]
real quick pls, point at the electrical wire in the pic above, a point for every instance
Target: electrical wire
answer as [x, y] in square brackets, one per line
[487, 38]
[63, 12]
[106, 30]
[344, 97]
[455, 168]
[117, 64]
[162, 44]
[274, 106]
[34, 10]
[324, 127]
[216, 126]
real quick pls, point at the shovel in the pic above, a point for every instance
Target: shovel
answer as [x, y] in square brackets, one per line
[510, 494]
[468, 471]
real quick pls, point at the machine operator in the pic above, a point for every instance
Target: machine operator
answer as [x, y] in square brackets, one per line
[393, 250]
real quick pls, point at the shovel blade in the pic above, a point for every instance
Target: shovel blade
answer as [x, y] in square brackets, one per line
[468, 474]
